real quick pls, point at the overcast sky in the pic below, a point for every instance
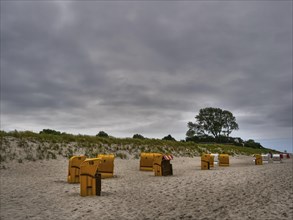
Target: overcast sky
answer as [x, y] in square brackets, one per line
[146, 67]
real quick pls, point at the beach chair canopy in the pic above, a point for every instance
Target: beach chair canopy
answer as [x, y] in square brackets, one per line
[168, 157]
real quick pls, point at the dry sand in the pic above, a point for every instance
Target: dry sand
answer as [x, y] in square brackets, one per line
[38, 190]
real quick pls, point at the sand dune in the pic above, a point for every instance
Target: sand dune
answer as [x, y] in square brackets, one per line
[38, 190]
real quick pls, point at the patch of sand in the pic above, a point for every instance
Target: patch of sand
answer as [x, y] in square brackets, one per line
[38, 190]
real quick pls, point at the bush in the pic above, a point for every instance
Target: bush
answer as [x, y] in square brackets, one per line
[102, 134]
[49, 131]
[201, 139]
[69, 153]
[30, 157]
[169, 138]
[51, 155]
[251, 143]
[138, 136]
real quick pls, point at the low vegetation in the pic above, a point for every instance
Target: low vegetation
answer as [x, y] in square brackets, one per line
[47, 145]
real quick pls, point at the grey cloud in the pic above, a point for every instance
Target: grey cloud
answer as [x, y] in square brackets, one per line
[128, 66]
[281, 116]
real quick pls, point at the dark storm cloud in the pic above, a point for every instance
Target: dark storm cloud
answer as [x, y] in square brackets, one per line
[131, 67]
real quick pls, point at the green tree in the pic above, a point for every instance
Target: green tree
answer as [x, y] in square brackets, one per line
[169, 138]
[214, 121]
[102, 134]
[138, 136]
[253, 144]
[229, 123]
[50, 131]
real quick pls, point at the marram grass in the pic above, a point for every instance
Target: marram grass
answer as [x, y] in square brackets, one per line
[32, 146]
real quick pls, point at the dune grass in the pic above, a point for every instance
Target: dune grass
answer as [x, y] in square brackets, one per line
[29, 146]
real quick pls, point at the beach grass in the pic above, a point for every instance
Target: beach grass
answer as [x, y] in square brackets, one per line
[30, 146]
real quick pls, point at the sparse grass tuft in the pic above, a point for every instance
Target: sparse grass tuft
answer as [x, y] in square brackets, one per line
[121, 155]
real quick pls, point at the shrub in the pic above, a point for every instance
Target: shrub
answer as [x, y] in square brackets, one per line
[121, 155]
[102, 134]
[30, 157]
[252, 144]
[49, 131]
[51, 155]
[138, 136]
[169, 138]
[68, 153]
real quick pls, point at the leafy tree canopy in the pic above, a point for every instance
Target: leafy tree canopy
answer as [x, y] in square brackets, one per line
[253, 144]
[50, 131]
[214, 121]
[169, 138]
[138, 136]
[102, 134]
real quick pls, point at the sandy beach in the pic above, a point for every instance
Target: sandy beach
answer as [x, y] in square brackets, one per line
[38, 190]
